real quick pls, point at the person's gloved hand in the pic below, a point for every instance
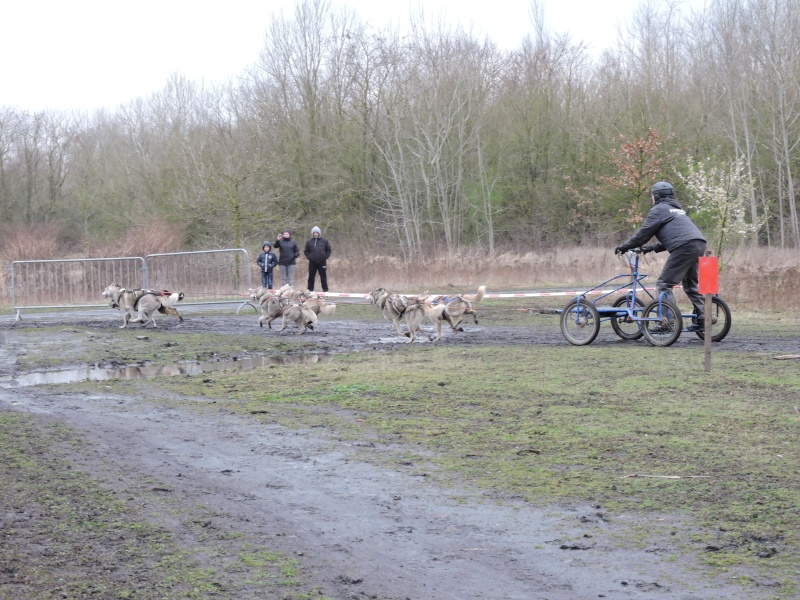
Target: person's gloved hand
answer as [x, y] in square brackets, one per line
[646, 249]
[618, 250]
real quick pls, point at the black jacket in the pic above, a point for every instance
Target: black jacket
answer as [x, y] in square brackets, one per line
[317, 250]
[289, 251]
[267, 260]
[669, 223]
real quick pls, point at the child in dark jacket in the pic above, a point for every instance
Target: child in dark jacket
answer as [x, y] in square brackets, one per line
[267, 260]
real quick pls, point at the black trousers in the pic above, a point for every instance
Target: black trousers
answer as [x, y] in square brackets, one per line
[682, 267]
[313, 269]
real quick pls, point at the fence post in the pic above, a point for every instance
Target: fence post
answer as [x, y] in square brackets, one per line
[708, 284]
[144, 274]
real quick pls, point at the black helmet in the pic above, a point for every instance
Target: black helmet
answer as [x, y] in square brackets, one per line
[662, 189]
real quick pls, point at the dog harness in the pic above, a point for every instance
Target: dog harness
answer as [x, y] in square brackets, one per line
[115, 298]
[144, 293]
[445, 299]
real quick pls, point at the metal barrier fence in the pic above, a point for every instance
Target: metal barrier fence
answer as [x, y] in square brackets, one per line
[205, 277]
[71, 283]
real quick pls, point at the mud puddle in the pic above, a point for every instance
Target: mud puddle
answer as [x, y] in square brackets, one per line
[96, 373]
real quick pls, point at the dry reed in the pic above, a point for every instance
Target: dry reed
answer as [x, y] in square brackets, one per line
[756, 277]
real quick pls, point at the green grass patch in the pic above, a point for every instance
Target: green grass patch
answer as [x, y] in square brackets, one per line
[633, 429]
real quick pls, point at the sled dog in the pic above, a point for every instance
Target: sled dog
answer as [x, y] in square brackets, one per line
[436, 309]
[393, 306]
[144, 302]
[317, 304]
[459, 305]
[300, 316]
[272, 307]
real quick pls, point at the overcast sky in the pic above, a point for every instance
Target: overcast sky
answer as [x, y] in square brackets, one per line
[89, 54]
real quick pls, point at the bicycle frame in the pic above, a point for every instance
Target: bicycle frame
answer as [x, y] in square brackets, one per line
[636, 313]
[607, 312]
[632, 286]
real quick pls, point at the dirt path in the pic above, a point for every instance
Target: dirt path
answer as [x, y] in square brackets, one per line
[361, 531]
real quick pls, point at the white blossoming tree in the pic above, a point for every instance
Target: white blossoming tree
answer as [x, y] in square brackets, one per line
[719, 198]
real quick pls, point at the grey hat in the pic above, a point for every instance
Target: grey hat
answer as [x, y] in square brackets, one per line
[316, 230]
[266, 244]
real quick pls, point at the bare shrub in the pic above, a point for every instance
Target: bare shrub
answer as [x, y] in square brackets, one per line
[473, 267]
[761, 278]
[757, 277]
[153, 237]
[38, 241]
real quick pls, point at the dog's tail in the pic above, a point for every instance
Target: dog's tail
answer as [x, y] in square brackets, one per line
[476, 297]
[170, 298]
[327, 309]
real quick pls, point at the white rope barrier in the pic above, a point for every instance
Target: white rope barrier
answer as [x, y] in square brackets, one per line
[366, 297]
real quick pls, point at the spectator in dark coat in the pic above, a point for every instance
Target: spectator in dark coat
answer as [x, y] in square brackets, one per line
[317, 251]
[289, 251]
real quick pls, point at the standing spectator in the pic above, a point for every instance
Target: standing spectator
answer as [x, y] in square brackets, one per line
[267, 261]
[289, 251]
[317, 251]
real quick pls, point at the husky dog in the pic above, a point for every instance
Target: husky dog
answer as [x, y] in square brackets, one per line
[459, 305]
[300, 315]
[272, 307]
[442, 308]
[393, 306]
[422, 309]
[317, 304]
[145, 302]
[286, 291]
[258, 293]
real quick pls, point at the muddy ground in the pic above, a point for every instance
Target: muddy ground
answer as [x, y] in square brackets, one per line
[357, 530]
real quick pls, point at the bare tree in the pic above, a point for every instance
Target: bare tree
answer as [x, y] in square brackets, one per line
[9, 130]
[778, 39]
[437, 103]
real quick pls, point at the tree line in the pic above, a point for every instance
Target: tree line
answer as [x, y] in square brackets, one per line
[432, 139]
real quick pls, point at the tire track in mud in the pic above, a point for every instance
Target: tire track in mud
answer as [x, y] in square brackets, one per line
[360, 530]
